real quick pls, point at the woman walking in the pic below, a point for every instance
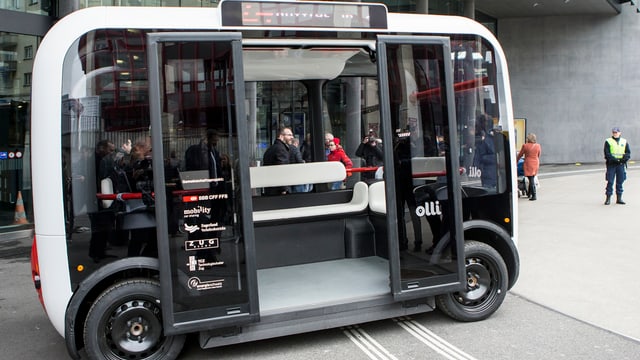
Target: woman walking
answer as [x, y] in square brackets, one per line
[531, 152]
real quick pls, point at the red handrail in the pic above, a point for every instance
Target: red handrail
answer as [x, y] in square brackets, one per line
[121, 196]
[457, 87]
[429, 174]
[361, 170]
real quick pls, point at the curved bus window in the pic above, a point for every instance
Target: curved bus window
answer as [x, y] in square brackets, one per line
[481, 142]
[106, 146]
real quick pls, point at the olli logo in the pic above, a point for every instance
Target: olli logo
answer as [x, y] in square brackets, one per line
[430, 208]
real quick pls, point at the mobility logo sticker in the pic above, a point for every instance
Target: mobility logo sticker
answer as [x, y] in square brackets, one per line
[196, 211]
[196, 283]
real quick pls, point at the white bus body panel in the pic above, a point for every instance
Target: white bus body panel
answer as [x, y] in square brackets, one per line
[46, 111]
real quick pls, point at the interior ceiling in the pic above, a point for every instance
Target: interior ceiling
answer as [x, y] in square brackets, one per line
[524, 8]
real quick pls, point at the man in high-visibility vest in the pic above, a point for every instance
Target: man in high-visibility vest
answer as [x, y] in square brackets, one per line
[616, 153]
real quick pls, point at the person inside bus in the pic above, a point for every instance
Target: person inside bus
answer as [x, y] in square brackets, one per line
[279, 153]
[205, 156]
[306, 149]
[295, 157]
[337, 153]
[103, 220]
[143, 239]
[485, 159]
[328, 137]
[404, 193]
[114, 167]
[371, 151]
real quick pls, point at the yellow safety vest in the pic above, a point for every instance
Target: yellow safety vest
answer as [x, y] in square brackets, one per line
[617, 147]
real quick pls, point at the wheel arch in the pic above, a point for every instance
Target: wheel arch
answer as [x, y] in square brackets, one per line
[498, 238]
[89, 289]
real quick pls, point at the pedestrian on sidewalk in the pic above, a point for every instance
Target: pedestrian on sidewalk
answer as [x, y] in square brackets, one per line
[531, 151]
[616, 153]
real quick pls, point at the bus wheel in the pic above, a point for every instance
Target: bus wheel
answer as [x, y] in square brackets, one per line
[486, 285]
[125, 322]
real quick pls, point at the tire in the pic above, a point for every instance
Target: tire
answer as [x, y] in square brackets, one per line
[487, 281]
[125, 322]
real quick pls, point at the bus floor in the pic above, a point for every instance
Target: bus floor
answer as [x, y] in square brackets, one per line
[324, 283]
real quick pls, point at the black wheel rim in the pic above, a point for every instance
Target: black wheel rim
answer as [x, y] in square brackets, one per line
[483, 279]
[132, 330]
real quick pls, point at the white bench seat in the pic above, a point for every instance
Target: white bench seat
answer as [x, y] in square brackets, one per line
[308, 173]
[377, 200]
[357, 204]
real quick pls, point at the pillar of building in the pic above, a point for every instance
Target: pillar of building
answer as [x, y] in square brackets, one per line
[422, 6]
[470, 9]
[67, 7]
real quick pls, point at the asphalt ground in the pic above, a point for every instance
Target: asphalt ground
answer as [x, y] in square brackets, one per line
[578, 256]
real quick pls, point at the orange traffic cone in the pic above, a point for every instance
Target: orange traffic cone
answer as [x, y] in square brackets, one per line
[20, 216]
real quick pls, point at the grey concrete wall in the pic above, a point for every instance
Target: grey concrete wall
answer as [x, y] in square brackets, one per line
[573, 78]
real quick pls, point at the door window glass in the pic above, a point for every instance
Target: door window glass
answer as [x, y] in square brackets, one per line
[421, 148]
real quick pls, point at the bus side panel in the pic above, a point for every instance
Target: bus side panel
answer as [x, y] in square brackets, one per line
[54, 275]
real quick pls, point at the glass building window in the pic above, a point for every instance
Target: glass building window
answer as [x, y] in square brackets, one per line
[16, 63]
[26, 6]
[10, 4]
[28, 52]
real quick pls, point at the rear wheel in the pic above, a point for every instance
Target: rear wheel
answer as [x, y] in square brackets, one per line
[486, 288]
[125, 322]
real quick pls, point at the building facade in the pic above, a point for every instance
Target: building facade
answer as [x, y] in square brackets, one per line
[22, 25]
[573, 67]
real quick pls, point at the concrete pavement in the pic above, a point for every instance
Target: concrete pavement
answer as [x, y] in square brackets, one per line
[578, 256]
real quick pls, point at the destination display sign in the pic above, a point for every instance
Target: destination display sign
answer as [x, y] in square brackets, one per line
[303, 14]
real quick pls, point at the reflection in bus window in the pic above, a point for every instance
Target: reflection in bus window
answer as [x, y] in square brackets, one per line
[480, 139]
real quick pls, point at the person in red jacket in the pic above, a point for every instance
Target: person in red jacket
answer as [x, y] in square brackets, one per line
[336, 153]
[531, 152]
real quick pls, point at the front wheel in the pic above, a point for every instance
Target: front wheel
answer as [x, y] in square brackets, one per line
[486, 288]
[125, 322]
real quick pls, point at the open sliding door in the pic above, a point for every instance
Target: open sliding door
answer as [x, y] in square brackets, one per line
[425, 227]
[207, 267]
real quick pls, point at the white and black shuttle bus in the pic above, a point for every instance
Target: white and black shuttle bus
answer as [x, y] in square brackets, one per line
[155, 210]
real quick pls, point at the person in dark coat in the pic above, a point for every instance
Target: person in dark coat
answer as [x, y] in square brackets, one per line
[306, 149]
[485, 158]
[295, 157]
[279, 154]
[370, 149]
[205, 156]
